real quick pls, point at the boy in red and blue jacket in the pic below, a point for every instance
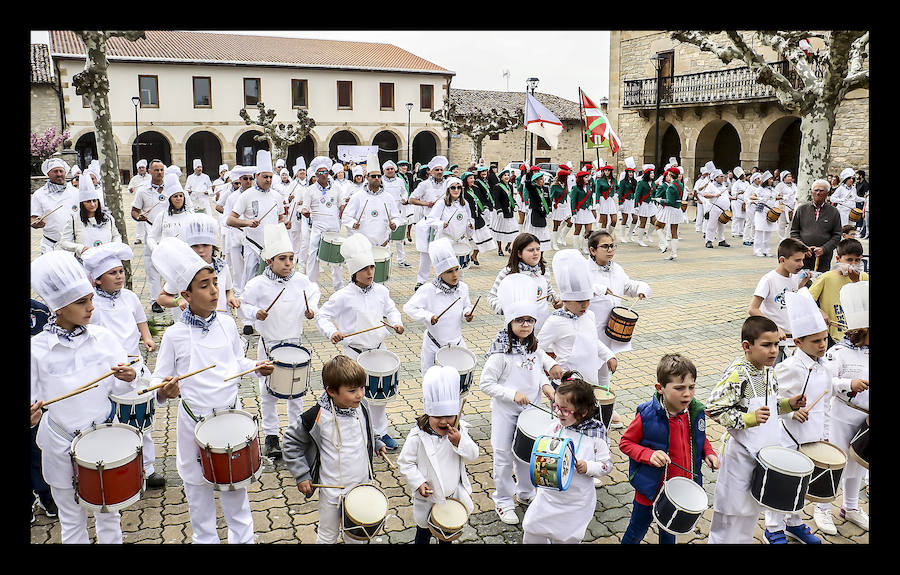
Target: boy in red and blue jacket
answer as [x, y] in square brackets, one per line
[670, 428]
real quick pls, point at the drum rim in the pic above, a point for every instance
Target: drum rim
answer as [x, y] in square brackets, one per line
[818, 464]
[354, 519]
[121, 462]
[636, 314]
[254, 476]
[792, 473]
[289, 365]
[112, 507]
[379, 373]
[685, 481]
[461, 504]
[525, 432]
[859, 459]
[568, 444]
[237, 447]
[136, 400]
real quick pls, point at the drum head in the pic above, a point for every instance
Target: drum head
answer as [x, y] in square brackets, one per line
[132, 397]
[824, 455]
[289, 354]
[604, 396]
[787, 461]
[532, 421]
[379, 362]
[224, 429]
[625, 313]
[451, 515]
[380, 254]
[459, 357]
[687, 495]
[333, 237]
[365, 504]
[112, 443]
[461, 249]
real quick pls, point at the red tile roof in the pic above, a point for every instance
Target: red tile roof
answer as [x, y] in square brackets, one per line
[182, 46]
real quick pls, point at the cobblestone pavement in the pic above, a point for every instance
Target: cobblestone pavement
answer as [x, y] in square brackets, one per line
[699, 303]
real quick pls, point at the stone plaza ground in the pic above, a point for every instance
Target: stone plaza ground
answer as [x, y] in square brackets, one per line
[698, 305]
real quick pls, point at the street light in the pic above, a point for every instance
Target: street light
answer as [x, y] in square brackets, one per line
[657, 65]
[136, 101]
[409, 107]
[531, 84]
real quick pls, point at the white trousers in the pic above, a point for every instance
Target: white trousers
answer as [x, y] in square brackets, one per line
[377, 411]
[698, 223]
[235, 507]
[398, 248]
[236, 265]
[732, 529]
[424, 268]
[761, 243]
[330, 524]
[269, 403]
[529, 539]
[737, 226]
[154, 284]
[73, 520]
[312, 262]
[304, 239]
[749, 227]
[776, 521]
[715, 229]
[251, 263]
[503, 427]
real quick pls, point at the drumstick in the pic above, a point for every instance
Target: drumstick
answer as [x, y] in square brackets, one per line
[542, 408]
[472, 311]
[107, 374]
[458, 417]
[278, 296]
[816, 401]
[807, 381]
[682, 468]
[70, 394]
[267, 212]
[767, 387]
[41, 219]
[448, 307]
[249, 370]
[634, 302]
[151, 209]
[816, 266]
[364, 330]
[305, 300]
[362, 211]
[389, 462]
[321, 485]
[179, 378]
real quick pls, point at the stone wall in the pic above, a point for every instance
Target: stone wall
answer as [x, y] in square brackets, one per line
[850, 138]
[44, 108]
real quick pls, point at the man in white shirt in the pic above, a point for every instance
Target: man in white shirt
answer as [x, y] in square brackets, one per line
[53, 204]
[372, 212]
[699, 186]
[299, 229]
[395, 185]
[198, 186]
[716, 193]
[320, 209]
[149, 202]
[423, 197]
[139, 180]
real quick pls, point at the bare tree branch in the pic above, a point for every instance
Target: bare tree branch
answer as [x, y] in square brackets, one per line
[727, 53]
[859, 51]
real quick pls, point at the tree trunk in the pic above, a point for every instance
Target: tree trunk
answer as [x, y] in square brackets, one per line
[477, 146]
[815, 146]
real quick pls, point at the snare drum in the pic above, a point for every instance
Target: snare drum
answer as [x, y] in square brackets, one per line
[330, 247]
[382, 257]
[135, 409]
[725, 217]
[290, 379]
[606, 399]
[364, 509]
[400, 232]
[381, 367]
[107, 461]
[859, 445]
[829, 461]
[684, 205]
[229, 449]
[774, 213]
[856, 214]
[463, 360]
[552, 462]
[463, 252]
[446, 520]
[529, 425]
[679, 505]
[781, 478]
[621, 324]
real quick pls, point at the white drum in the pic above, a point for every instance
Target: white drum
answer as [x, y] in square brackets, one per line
[290, 379]
[463, 251]
[463, 360]
[364, 509]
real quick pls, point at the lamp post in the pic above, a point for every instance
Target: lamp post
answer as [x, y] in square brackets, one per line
[657, 65]
[136, 101]
[409, 107]
[532, 84]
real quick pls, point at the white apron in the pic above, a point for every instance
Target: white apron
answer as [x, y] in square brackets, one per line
[813, 429]
[584, 358]
[369, 339]
[92, 236]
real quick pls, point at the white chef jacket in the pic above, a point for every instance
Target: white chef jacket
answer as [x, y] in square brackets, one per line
[285, 319]
[350, 309]
[373, 222]
[252, 204]
[429, 301]
[43, 202]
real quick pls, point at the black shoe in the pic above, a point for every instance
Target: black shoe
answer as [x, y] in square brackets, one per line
[156, 308]
[415, 289]
[404, 265]
[724, 244]
[709, 244]
[248, 330]
[155, 481]
[475, 262]
[49, 506]
[273, 447]
[500, 253]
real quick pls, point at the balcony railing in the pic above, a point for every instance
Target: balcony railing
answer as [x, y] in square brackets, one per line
[729, 85]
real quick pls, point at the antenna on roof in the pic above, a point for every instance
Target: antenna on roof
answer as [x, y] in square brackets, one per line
[506, 75]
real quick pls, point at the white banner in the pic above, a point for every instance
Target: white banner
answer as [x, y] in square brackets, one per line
[356, 154]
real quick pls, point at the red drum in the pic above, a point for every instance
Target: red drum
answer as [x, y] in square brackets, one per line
[229, 449]
[108, 466]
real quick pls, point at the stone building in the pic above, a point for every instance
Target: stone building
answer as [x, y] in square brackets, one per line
[181, 93]
[710, 111]
[45, 100]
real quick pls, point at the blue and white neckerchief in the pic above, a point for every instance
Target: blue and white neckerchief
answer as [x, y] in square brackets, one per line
[501, 345]
[188, 317]
[563, 312]
[255, 185]
[366, 289]
[604, 268]
[535, 270]
[325, 403]
[590, 426]
[218, 264]
[54, 188]
[63, 333]
[277, 278]
[112, 296]
[850, 345]
[444, 286]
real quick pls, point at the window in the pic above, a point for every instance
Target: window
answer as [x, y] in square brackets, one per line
[542, 144]
[251, 91]
[344, 95]
[202, 92]
[495, 136]
[84, 101]
[387, 96]
[149, 90]
[298, 93]
[426, 97]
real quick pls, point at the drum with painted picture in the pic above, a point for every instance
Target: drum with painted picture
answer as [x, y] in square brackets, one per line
[363, 511]
[462, 360]
[781, 478]
[829, 461]
[290, 378]
[679, 505]
[620, 326]
[446, 520]
[382, 368]
[330, 248]
[382, 257]
[229, 449]
[107, 461]
[552, 462]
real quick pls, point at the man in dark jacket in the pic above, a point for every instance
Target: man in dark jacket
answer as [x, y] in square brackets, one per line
[818, 225]
[862, 190]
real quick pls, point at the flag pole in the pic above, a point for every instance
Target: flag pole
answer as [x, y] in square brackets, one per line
[581, 108]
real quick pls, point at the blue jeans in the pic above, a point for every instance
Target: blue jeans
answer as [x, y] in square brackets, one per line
[641, 517]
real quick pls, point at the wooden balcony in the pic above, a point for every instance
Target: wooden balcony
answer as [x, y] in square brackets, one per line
[714, 87]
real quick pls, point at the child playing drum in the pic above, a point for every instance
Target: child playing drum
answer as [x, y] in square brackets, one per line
[435, 453]
[744, 401]
[668, 429]
[562, 516]
[278, 300]
[333, 442]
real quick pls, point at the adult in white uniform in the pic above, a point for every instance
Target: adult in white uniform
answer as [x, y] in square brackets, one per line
[199, 187]
[423, 198]
[91, 226]
[149, 202]
[299, 233]
[717, 196]
[321, 208]
[233, 237]
[56, 197]
[373, 212]
[786, 191]
[765, 199]
[738, 209]
[700, 185]
[221, 187]
[396, 186]
[844, 197]
[751, 193]
[140, 180]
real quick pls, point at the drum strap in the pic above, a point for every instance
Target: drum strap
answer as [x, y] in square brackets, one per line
[62, 432]
[791, 435]
[431, 337]
[194, 417]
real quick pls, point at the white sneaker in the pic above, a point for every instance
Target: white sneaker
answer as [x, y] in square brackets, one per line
[824, 522]
[598, 482]
[856, 516]
[508, 516]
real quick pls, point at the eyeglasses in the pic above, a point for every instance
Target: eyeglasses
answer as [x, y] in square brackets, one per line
[524, 321]
[246, 178]
[454, 187]
[563, 411]
[374, 175]
[608, 247]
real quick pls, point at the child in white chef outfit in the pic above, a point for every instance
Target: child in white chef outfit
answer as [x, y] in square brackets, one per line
[563, 516]
[436, 296]
[804, 373]
[434, 455]
[119, 310]
[513, 376]
[67, 354]
[848, 362]
[358, 306]
[199, 339]
[288, 292]
[738, 402]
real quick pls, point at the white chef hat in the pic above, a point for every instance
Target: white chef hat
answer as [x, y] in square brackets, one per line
[337, 168]
[442, 255]
[263, 162]
[319, 162]
[709, 166]
[51, 163]
[756, 176]
[197, 163]
[284, 172]
[279, 163]
[87, 191]
[783, 174]
[74, 170]
[171, 185]
[571, 273]
[372, 164]
[177, 263]
[100, 259]
[357, 171]
[223, 168]
[629, 163]
[173, 169]
[518, 294]
[716, 173]
[388, 164]
[766, 175]
[200, 229]
[452, 180]
[357, 253]
[847, 173]
[673, 160]
[94, 167]
[59, 279]
[276, 241]
[855, 303]
[141, 164]
[437, 161]
[738, 172]
[440, 391]
[238, 171]
[803, 313]
[299, 164]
